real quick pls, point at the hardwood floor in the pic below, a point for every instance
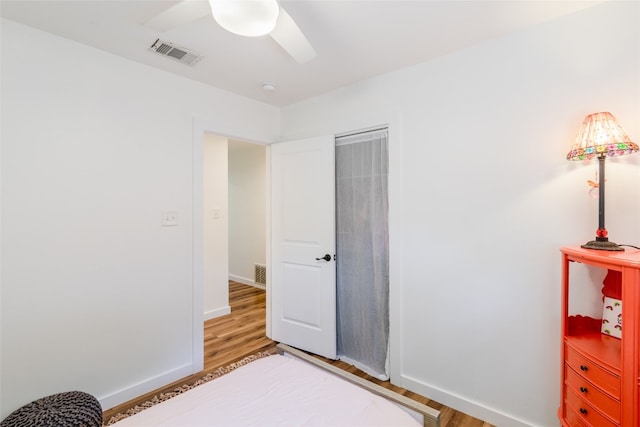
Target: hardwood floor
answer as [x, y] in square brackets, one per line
[241, 333]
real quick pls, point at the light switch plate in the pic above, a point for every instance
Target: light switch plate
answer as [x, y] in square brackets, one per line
[169, 218]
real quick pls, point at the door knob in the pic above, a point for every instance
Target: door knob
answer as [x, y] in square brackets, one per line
[327, 257]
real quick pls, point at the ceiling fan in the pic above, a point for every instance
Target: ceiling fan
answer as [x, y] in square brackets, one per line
[243, 17]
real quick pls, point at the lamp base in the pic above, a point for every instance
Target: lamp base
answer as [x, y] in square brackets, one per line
[602, 245]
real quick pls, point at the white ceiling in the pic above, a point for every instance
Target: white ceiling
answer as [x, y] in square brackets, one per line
[354, 40]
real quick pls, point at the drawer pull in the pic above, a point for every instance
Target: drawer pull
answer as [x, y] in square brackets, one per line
[583, 411]
[583, 389]
[584, 368]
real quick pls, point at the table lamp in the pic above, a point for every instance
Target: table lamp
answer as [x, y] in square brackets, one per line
[599, 137]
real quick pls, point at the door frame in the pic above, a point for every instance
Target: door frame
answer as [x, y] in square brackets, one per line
[200, 127]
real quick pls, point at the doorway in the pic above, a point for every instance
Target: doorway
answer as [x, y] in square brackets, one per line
[234, 226]
[247, 213]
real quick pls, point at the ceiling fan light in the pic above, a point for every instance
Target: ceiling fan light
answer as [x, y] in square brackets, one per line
[250, 18]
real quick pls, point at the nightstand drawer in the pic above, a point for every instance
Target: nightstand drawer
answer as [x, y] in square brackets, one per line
[593, 373]
[586, 413]
[593, 395]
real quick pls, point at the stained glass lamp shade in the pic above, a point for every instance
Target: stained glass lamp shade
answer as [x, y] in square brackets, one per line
[599, 137]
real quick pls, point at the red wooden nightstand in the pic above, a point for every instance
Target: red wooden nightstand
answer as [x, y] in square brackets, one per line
[600, 384]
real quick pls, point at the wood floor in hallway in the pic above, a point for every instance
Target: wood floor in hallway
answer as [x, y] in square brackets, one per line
[241, 333]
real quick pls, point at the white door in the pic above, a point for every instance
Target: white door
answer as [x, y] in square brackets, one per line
[303, 282]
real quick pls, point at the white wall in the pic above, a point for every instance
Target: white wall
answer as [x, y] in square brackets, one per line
[96, 295]
[216, 227]
[247, 225]
[482, 198]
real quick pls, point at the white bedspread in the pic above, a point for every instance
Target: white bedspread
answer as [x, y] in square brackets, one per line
[274, 391]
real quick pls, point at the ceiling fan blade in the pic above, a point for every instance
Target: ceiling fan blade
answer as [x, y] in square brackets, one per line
[290, 37]
[182, 13]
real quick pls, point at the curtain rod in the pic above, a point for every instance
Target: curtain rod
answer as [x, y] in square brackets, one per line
[361, 132]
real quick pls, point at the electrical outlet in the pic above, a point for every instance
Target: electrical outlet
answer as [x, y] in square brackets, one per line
[169, 218]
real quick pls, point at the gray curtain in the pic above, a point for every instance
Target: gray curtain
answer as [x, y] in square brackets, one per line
[363, 251]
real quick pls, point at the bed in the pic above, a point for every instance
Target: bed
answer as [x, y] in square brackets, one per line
[290, 388]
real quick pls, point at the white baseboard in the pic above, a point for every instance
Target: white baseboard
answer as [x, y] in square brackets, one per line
[212, 314]
[246, 281]
[241, 279]
[461, 404]
[136, 390]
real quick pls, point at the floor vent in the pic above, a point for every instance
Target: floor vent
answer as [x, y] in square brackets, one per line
[174, 52]
[260, 275]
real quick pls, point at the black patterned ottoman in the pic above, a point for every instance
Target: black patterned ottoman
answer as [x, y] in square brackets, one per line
[69, 409]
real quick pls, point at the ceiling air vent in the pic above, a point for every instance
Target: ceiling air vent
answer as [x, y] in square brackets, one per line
[178, 53]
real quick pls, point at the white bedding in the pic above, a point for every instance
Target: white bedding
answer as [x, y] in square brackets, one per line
[274, 391]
